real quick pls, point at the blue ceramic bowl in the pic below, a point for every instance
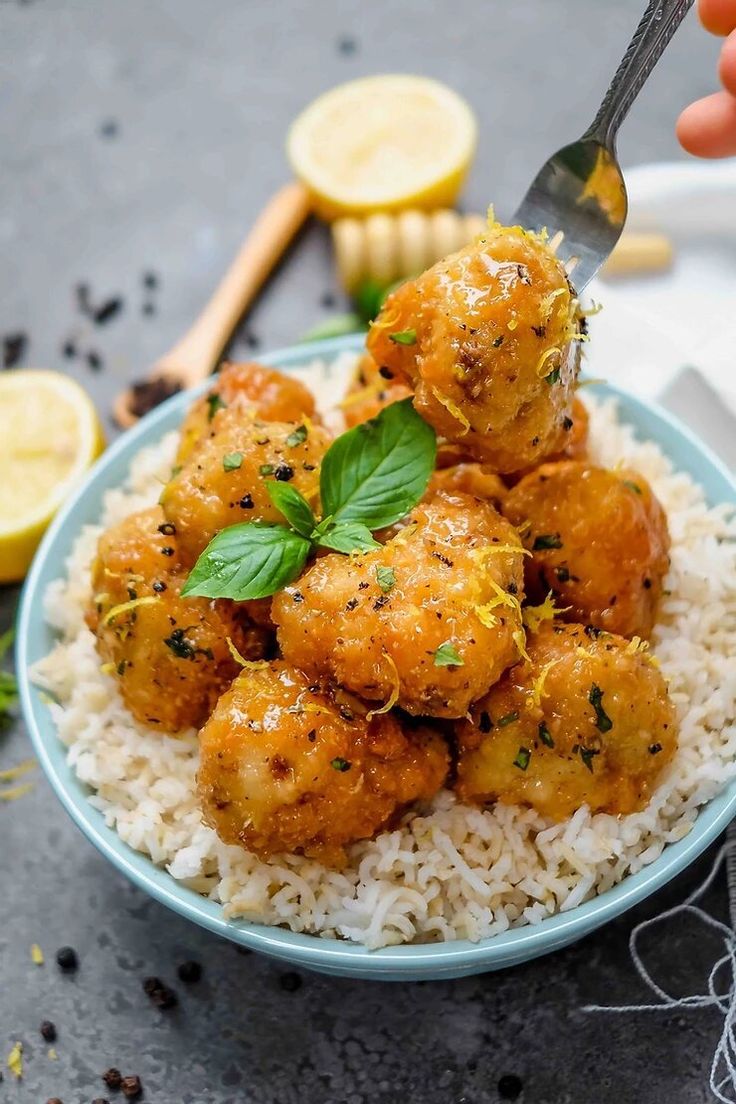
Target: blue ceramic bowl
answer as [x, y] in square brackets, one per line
[325, 955]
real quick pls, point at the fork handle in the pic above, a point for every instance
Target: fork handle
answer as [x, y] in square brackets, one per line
[658, 24]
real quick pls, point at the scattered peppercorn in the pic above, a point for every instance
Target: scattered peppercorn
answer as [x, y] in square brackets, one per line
[94, 360]
[148, 308]
[109, 128]
[48, 1031]
[246, 502]
[150, 280]
[189, 972]
[346, 45]
[14, 347]
[510, 1086]
[69, 349]
[159, 587]
[66, 958]
[328, 299]
[290, 982]
[284, 472]
[132, 1087]
[160, 995]
[107, 310]
[113, 1078]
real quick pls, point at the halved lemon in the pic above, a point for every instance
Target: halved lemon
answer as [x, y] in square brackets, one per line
[383, 143]
[50, 435]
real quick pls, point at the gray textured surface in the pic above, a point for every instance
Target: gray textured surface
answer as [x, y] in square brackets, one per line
[201, 94]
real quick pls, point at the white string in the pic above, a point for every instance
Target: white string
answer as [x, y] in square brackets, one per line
[723, 1066]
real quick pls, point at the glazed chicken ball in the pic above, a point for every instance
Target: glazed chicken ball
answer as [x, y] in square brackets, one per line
[224, 480]
[429, 621]
[486, 340]
[370, 391]
[586, 720]
[599, 541]
[469, 479]
[270, 395]
[170, 655]
[283, 768]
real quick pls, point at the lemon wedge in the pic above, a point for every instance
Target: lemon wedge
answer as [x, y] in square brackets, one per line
[383, 143]
[50, 436]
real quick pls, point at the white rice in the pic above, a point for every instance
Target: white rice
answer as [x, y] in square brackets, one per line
[452, 872]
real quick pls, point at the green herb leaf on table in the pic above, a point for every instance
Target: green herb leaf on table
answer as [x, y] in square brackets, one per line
[293, 505]
[376, 472]
[8, 684]
[246, 561]
[404, 337]
[447, 656]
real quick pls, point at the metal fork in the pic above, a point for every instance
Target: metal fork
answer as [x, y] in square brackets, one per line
[580, 190]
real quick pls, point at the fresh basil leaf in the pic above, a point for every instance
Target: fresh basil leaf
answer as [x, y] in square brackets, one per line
[404, 337]
[250, 560]
[447, 656]
[347, 536]
[293, 505]
[376, 472]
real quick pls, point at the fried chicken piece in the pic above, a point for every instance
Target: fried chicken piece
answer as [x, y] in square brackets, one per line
[486, 338]
[224, 480]
[586, 720]
[370, 391]
[284, 768]
[429, 621]
[599, 542]
[469, 479]
[271, 396]
[169, 654]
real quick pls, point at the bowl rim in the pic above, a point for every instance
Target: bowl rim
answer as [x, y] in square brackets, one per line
[514, 945]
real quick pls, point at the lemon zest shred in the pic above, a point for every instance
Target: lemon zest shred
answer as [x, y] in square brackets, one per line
[11, 773]
[636, 646]
[370, 391]
[546, 355]
[484, 615]
[580, 651]
[405, 534]
[250, 664]
[15, 1061]
[511, 324]
[533, 616]
[480, 554]
[14, 792]
[101, 598]
[453, 409]
[37, 954]
[385, 323]
[125, 607]
[394, 695]
[519, 638]
[107, 668]
[537, 691]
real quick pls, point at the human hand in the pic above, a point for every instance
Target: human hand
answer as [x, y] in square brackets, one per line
[707, 128]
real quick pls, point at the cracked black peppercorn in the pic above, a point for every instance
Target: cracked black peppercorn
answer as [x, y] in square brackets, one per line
[113, 1078]
[510, 1087]
[48, 1031]
[132, 1087]
[189, 972]
[290, 982]
[160, 995]
[66, 958]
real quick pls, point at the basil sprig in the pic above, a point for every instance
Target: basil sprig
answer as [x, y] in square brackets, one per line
[370, 478]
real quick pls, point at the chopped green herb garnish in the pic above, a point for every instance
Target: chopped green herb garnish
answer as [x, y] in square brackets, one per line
[266, 469]
[587, 755]
[508, 719]
[554, 376]
[340, 764]
[497, 342]
[183, 648]
[602, 721]
[8, 683]
[446, 656]
[231, 461]
[546, 540]
[545, 735]
[175, 470]
[632, 486]
[214, 403]
[386, 578]
[523, 756]
[121, 668]
[404, 337]
[298, 436]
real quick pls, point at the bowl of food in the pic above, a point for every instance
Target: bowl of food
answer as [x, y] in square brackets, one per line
[405, 664]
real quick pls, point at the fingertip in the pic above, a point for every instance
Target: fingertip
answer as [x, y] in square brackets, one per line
[707, 128]
[727, 64]
[718, 16]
